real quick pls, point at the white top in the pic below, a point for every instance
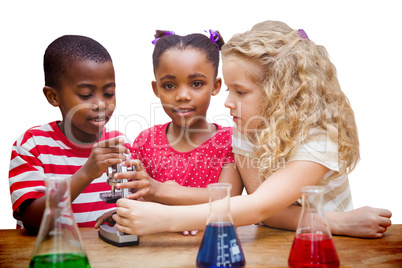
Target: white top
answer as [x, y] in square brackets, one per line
[319, 149]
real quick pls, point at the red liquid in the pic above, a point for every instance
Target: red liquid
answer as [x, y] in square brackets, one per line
[313, 250]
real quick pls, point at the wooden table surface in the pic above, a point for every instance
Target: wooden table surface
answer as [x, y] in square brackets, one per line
[262, 247]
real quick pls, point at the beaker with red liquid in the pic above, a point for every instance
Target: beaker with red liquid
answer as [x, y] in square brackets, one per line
[313, 245]
[220, 246]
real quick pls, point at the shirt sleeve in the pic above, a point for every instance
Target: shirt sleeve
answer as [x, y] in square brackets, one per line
[26, 176]
[241, 145]
[319, 149]
[139, 144]
[229, 157]
[226, 140]
[141, 148]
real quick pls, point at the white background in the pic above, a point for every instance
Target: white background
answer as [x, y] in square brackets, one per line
[363, 39]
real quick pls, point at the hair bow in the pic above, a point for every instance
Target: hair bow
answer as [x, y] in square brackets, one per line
[302, 34]
[214, 36]
[166, 34]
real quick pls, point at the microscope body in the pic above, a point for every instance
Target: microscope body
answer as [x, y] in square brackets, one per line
[108, 233]
[113, 196]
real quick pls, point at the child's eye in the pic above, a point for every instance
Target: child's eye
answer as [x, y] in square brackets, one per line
[198, 84]
[109, 95]
[84, 96]
[168, 86]
[237, 92]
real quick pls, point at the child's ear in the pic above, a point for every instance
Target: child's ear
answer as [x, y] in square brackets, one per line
[155, 88]
[51, 95]
[217, 86]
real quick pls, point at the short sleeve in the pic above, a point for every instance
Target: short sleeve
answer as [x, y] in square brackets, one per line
[26, 176]
[221, 145]
[241, 145]
[139, 143]
[320, 149]
[229, 157]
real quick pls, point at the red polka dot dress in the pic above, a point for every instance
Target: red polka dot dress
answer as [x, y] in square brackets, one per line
[196, 168]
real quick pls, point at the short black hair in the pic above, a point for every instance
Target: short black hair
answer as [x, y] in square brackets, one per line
[196, 41]
[65, 50]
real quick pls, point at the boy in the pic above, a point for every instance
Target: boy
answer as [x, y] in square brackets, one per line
[80, 81]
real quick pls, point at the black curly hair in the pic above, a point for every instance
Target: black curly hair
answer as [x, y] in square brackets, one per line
[67, 49]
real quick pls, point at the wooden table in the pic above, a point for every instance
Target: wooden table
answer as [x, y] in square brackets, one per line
[262, 246]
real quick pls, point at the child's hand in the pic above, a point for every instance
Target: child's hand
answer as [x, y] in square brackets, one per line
[145, 186]
[366, 222]
[105, 218]
[140, 218]
[104, 153]
[193, 233]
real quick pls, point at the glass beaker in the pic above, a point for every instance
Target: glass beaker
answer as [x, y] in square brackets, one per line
[313, 245]
[220, 246]
[58, 243]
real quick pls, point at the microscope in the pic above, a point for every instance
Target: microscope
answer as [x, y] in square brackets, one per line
[108, 233]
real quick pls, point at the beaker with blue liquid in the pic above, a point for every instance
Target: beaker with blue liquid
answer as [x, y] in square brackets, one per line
[220, 245]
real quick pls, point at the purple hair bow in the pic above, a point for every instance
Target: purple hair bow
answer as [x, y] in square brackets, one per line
[166, 34]
[214, 36]
[302, 34]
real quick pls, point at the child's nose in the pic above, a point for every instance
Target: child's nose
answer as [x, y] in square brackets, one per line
[229, 103]
[99, 104]
[183, 94]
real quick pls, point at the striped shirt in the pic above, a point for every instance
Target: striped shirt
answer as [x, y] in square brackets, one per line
[44, 151]
[319, 149]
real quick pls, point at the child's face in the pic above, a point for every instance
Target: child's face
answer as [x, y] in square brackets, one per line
[86, 99]
[185, 82]
[244, 95]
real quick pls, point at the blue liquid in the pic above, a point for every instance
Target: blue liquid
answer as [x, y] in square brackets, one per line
[220, 247]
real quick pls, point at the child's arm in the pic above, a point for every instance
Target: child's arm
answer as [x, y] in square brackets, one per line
[365, 222]
[230, 174]
[173, 193]
[103, 154]
[275, 194]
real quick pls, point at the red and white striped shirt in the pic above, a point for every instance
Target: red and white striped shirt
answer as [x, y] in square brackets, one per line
[44, 151]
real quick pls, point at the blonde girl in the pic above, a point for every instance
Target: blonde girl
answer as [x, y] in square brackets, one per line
[293, 118]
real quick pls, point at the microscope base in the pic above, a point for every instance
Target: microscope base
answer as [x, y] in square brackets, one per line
[112, 236]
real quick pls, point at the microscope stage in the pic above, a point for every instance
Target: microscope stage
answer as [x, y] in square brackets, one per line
[110, 197]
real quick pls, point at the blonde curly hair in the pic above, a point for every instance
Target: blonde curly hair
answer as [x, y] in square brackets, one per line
[302, 93]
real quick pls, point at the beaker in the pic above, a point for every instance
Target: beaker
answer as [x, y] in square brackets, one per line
[220, 245]
[313, 245]
[58, 243]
